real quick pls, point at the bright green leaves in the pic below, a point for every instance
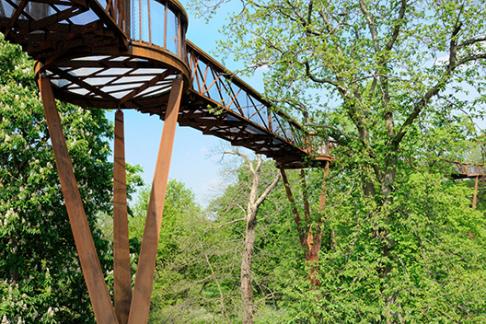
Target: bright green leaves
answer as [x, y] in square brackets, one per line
[40, 278]
[399, 85]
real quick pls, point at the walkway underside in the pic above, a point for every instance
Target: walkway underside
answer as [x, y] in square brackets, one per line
[237, 130]
[91, 62]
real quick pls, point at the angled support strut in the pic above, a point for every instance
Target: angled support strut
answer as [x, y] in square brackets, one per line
[88, 257]
[121, 247]
[140, 306]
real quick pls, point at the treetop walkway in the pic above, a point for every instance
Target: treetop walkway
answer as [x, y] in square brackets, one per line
[133, 54]
[126, 54]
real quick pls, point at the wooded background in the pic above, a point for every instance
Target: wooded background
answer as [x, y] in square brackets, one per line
[398, 85]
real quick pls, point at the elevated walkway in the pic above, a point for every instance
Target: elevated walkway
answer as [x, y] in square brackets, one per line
[117, 54]
[127, 54]
[468, 170]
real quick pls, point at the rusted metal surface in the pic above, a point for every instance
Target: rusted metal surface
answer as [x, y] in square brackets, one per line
[119, 58]
[323, 195]
[133, 55]
[121, 248]
[90, 263]
[475, 193]
[140, 77]
[468, 170]
[477, 172]
[223, 105]
[47, 29]
[142, 291]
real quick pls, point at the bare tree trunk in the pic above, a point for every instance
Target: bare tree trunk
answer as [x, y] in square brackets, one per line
[254, 202]
[246, 261]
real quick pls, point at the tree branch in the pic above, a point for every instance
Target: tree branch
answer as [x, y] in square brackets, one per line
[470, 58]
[268, 190]
[243, 156]
[472, 41]
[322, 80]
[397, 26]
[371, 24]
[435, 89]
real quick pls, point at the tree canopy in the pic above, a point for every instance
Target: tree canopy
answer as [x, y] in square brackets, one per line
[398, 85]
[40, 277]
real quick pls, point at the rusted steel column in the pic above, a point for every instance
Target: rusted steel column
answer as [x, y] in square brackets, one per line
[121, 248]
[88, 257]
[293, 205]
[323, 195]
[323, 200]
[475, 194]
[140, 307]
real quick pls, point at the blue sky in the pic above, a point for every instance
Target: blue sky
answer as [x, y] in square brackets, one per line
[196, 159]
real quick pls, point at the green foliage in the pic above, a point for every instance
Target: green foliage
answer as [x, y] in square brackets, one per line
[40, 277]
[437, 260]
[398, 85]
[191, 283]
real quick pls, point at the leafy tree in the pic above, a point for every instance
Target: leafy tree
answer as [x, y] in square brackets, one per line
[40, 276]
[397, 84]
[257, 193]
[191, 282]
[438, 256]
[274, 254]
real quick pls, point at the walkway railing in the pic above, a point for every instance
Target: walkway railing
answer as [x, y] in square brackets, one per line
[110, 26]
[212, 80]
[159, 23]
[155, 22]
[468, 170]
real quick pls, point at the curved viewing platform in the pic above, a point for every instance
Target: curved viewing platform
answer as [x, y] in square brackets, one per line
[127, 54]
[468, 170]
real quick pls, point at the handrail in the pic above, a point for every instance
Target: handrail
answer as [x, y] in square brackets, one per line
[214, 81]
[162, 23]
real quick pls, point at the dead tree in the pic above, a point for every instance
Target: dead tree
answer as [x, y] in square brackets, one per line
[254, 201]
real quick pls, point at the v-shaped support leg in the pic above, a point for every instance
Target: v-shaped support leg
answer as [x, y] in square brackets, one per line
[140, 307]
[121, 247]
[88, 257]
